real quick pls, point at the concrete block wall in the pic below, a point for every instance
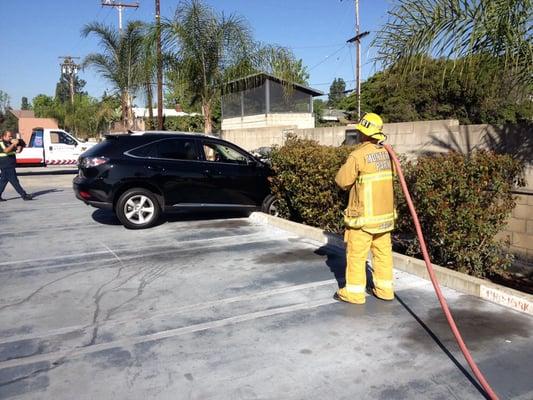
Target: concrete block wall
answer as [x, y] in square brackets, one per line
[519, 229]
[253, 138]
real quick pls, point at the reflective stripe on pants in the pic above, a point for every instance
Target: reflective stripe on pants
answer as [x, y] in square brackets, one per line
[359, 243]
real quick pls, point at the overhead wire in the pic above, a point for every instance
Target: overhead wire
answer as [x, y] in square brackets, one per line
[327, 58]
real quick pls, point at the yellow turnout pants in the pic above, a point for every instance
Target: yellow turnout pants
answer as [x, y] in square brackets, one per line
[359, 243]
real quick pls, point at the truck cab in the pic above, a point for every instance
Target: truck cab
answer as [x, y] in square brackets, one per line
[52, 147]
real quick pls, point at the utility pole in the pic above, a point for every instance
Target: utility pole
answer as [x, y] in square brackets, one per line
[159, 68]
[69, 68]
[357, 40]
[120, 7]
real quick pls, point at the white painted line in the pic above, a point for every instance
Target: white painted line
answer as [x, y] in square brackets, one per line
[171, 311]
[139, 248]
[60, 355]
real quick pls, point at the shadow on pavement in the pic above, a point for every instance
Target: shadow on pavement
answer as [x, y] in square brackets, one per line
[438, 342]
[108, 217]
[43, 192]
[46, 171]
[105, 217]
[336, 261]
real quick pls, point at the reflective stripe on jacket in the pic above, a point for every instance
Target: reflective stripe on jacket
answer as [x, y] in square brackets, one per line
[368, 174]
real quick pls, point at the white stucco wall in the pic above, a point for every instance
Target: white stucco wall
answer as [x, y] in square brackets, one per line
[299, 120]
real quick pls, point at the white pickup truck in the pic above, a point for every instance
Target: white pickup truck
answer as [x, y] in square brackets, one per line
[51, 147]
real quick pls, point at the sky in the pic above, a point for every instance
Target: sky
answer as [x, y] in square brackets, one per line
[34, 33]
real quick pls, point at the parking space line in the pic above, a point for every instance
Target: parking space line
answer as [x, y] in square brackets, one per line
[136, 248]
[172, 311]
[60, 356]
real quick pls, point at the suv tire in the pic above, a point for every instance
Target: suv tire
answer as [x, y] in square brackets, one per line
[137, 208]
[270, 206]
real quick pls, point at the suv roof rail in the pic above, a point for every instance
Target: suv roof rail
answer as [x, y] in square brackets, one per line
[142, 133]
[164, 133]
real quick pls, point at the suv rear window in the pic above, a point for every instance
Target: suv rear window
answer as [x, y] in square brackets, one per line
[175, 149]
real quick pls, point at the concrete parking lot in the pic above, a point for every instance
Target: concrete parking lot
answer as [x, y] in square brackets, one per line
[210, 307]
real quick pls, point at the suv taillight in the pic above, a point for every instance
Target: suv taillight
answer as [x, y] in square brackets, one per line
[88, 162]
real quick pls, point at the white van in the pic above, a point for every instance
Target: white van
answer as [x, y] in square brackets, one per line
[52, 147]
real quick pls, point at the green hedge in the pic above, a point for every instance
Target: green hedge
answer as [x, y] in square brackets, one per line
[305, 182]
[462, 201]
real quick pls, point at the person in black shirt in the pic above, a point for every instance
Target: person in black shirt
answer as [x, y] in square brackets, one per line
[8, 149]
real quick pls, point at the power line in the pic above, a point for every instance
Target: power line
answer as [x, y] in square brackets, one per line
[318, 46]
[327, 57]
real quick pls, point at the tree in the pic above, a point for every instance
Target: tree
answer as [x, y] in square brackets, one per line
[204, 45]
[25, 105]
[319, 106]
[483, 95]
[120, 63]
[494, 30]
[279, 61]
[336, 92]
[43, 106]
[63, 87]
[7, 120]
[207, 49]
[86, 117]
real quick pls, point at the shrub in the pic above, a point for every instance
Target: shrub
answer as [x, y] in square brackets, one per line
[462, 201]
[305, 182]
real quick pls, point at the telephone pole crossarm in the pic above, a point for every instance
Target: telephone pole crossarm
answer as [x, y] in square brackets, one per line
[70, 69]
[119, 6]
[358, 37]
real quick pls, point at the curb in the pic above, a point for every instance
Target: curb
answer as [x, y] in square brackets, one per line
[498, 294]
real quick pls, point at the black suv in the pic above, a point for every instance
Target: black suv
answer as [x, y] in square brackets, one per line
[140, 175]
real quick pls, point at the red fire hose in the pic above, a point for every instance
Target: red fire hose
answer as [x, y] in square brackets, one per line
[442, 300]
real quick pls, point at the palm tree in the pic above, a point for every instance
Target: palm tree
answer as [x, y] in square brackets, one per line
[204, 45]
[121, 62]
[477, 31]
[149, 68]
[207, 49]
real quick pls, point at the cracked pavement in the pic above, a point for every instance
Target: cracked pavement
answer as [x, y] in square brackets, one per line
[209, 307]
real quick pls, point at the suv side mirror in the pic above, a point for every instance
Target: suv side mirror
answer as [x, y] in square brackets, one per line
[251, 162]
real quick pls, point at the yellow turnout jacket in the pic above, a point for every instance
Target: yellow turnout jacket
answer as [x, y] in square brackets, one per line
[367, 174]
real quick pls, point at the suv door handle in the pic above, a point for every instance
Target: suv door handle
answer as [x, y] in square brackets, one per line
[156, 169]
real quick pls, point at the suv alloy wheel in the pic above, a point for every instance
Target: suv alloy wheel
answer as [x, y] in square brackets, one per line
[137, 209]
[271, 206]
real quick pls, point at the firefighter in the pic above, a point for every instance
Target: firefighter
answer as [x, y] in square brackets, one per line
[369, 217]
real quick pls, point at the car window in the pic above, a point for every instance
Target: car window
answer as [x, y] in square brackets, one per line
[216, 152]
[36, 139]
[148, 151]
[61, 138]
[177, 149]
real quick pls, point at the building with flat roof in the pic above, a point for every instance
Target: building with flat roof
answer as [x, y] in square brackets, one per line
[27, 122]
[263, 100]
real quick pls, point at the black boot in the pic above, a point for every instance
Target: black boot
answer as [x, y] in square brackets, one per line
[27, 197]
